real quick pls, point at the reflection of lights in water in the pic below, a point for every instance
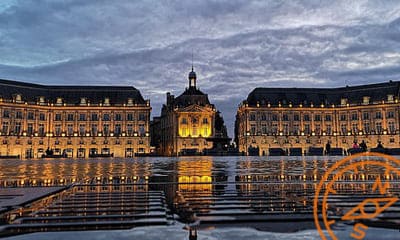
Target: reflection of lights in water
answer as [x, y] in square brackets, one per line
[195, 175]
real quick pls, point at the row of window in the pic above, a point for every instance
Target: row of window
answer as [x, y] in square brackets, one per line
[344, 130]
[94, 131]
[186, 132]
[69, 142]
[19, 115]
[80, 116]
[318, 117]
[194, 120]
[308, 141]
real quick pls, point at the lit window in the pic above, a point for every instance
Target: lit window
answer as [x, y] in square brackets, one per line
[392, 127]
[106, 117]
[18, 115]
[118, 117]
[378, 127]
[328, 118]
[6, 114]
[82, 117]
[57, 117]
[129, 116]
[82, 129]
[42, 117]
[94, 117]
[4, 130]
[70, 117]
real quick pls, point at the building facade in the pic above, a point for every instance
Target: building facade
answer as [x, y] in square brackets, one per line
[291, 118]
[72, 121]
[189, 124]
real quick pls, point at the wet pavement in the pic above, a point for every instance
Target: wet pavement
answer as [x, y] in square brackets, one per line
[269, 194]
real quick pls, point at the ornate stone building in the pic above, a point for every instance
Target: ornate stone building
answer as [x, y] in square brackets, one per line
[189, 124]
[291, 118]
[72, 121]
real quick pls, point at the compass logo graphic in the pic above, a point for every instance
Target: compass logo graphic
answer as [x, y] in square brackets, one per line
[365, 182]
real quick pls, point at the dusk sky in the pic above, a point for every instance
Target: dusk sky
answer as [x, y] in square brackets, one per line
[237, 45]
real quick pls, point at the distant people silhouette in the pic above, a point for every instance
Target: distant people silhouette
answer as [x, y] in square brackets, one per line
[328, 148]
[363, 146]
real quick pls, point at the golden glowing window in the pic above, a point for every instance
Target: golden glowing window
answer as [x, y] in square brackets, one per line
[194, 132]
[185, 132]
[206, 132]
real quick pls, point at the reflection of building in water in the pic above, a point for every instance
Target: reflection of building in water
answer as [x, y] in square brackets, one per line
[195, 176]
[138, 182]
[276, 187]
[189, 124]
[115, 204]
[190, 181]
[61, 172]
[72, 121]
[291, 118]
[198, 188]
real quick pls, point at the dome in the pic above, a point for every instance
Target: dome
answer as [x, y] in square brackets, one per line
[192, 74]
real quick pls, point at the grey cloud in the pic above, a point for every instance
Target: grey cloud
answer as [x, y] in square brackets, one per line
[237, 45]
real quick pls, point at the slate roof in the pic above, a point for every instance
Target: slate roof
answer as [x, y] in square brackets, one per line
[326, 96]
[190, 96]
[70, 94]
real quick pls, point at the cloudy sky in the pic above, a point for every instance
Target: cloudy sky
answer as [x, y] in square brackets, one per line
[237, 44]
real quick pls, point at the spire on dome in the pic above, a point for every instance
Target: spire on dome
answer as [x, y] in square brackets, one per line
[192, 78]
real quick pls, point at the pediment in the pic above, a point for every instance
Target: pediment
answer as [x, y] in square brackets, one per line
[194, 108]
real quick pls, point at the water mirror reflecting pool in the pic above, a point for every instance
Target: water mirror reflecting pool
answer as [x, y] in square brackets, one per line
[258, 192]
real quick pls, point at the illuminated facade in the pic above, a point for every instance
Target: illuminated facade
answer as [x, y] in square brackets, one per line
[189, 124]
[291, 118]
[72, 121]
